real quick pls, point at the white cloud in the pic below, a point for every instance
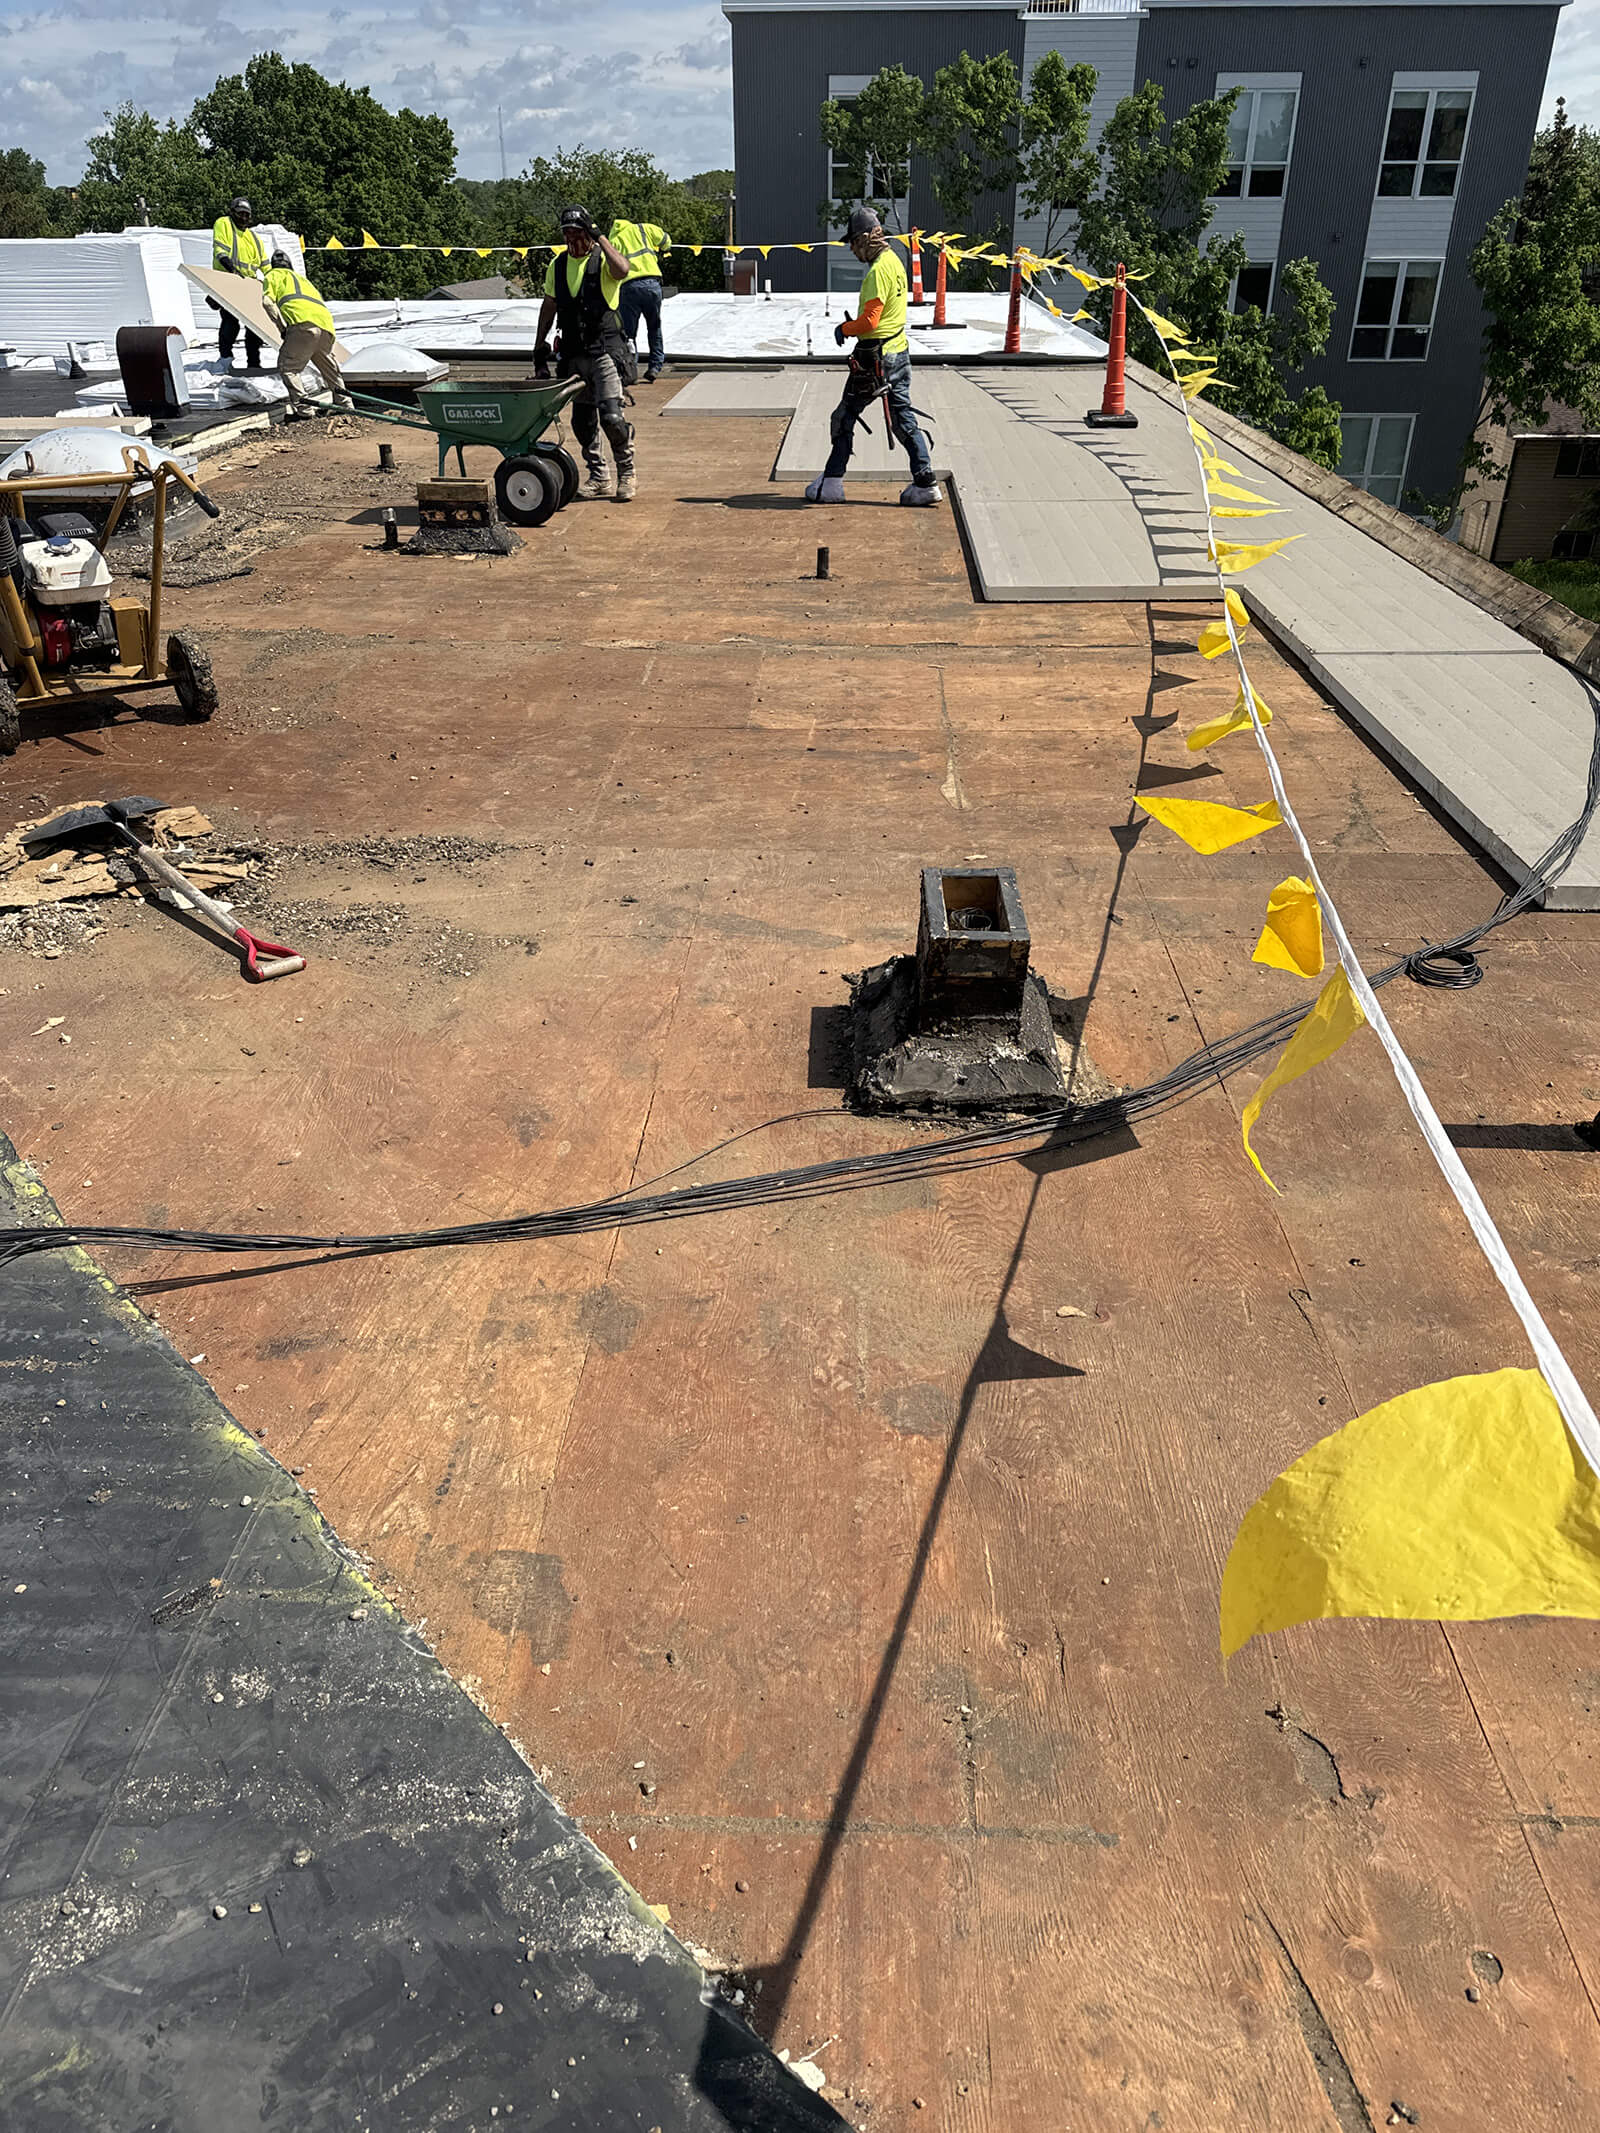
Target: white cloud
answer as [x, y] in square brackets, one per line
[630, 75]
[1575, 64]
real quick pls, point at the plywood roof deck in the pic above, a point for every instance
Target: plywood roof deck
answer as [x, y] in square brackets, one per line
[898, 1583]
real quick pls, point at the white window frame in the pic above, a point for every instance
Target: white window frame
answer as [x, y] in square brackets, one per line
[1263, 85]
[1365, 480]
[1271, 266]
[1432, 86]
[1402, 268]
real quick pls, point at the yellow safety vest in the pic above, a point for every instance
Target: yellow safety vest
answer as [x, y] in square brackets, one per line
[235, 250]
[298, 303]
[639, 242]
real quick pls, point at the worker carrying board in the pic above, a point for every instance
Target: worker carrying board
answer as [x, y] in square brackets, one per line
[580, 294]
[880, 366]
[308, 339]
[641, 245]
[236, 249]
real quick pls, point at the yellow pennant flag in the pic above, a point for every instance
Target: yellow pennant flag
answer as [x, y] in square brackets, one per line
[484, 250]
[798, 248]
[1335, 1015]
[765, 250]
[1291, 939]
[1215, 487]
[1235, 721]
[1206, 825]
[1196, 382]
[1089, 281]
[1078, 315]
[369, 243]
[521, 250]
[333, 245]
[1459, 1502]
[1214, 637]
[1238, 511]
[1165, 327]
[445, 250]
[1235, 555]
[1201, 436]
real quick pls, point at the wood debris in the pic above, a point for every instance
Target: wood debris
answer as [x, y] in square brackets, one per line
[79, 866]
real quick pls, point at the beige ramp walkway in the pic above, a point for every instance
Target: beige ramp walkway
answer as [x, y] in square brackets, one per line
[1498, 733]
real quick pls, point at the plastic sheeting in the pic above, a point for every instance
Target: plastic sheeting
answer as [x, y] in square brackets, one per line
[59, 289]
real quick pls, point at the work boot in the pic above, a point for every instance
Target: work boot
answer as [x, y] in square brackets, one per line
[922, 492]
[826, 489]
[599, 488]
[626, 487]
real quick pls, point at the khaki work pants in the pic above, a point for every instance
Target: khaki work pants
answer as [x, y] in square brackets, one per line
[309, 346]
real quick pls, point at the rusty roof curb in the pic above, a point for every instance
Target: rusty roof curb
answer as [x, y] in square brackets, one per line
[1545, 622]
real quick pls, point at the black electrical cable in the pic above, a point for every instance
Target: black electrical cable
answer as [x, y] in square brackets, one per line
[1066, 1127]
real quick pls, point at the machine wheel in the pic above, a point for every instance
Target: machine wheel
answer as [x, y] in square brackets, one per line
[10, 719]
[527, 490]
[555, 456]
[189, 671]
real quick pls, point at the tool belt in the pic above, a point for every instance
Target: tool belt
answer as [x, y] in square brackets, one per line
[866, 363]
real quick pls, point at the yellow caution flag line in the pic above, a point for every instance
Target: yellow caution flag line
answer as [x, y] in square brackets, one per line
[1570, 1397]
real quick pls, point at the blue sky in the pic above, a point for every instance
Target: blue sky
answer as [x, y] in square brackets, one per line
[610, 73]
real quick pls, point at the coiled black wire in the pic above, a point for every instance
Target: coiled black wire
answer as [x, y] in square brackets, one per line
[1066, 1127]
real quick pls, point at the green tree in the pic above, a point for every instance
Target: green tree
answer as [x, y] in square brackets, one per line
[1537, 267]
[29, 207]
[609, 184]
[970, 135]
[1151, 210]
[872, 137]
[1060, 168]
[316, 155]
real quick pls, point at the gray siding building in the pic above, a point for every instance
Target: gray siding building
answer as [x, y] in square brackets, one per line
[1375, 140]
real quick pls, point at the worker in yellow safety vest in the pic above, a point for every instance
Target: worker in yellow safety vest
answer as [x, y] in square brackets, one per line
[236, 249]
[307, 337]
[641, 244]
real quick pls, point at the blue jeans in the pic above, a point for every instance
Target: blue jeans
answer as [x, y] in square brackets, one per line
[860, 390]
[641, 299]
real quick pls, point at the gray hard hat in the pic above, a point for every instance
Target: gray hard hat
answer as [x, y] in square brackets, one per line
[282, 259]
[240, 209]
[576, 218]
[864, 223]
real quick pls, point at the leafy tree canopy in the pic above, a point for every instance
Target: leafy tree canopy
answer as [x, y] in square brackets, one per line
[872, 137]
[29, 207]
[527, 209]
[316, 155]
[1537, 267]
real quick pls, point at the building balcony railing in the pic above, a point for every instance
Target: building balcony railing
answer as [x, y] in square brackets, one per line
[1082, 7]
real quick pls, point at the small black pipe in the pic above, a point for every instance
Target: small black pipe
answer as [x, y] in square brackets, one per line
[391, 526]
[386, 458]
[822, 562]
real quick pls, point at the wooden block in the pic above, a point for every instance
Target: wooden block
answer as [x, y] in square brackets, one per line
[454, 503]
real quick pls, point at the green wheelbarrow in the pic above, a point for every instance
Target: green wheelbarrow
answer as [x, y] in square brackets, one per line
[535, 477]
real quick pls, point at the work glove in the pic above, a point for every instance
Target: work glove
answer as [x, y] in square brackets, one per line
[541, 359]
[839, 335]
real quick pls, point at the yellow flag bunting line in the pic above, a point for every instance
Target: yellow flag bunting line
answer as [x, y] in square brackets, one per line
[1465, 1500]
[1031, 263]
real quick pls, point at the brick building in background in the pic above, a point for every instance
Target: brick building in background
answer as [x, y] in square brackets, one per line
[1376, 140]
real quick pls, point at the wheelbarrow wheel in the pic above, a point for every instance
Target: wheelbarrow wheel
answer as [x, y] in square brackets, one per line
[10, 719]
[189, 671]
[566, 466]
[528, 491]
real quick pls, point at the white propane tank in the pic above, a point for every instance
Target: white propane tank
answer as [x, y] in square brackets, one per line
[65, 572]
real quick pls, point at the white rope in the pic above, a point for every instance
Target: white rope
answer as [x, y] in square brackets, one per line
[1558, 1372]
